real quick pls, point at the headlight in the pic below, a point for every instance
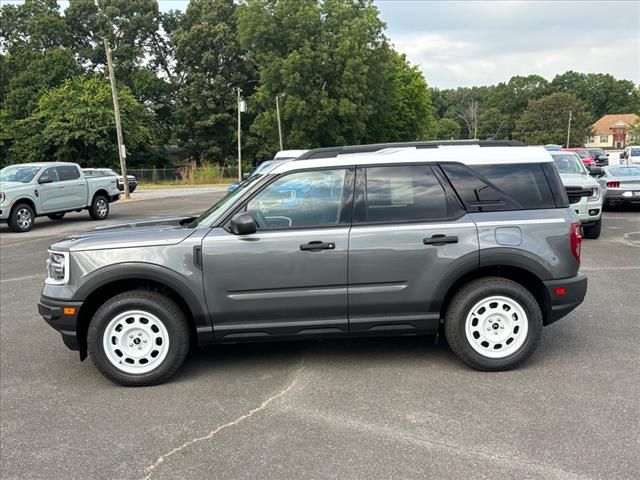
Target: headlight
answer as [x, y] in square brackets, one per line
[595, 194]
[2, 197]
[57, 268]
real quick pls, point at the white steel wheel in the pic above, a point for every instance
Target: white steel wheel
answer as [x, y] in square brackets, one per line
[496, 326]
[135, 341]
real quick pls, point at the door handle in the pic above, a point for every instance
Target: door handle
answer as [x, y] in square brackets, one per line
[318, 245]
[438, 240]
[60, 186]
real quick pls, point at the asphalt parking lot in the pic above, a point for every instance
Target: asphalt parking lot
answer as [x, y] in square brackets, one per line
[384, 408]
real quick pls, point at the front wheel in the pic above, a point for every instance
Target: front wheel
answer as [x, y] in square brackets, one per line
[593, 231]
[21, 218]
[138, 338]
[99, 209]
[493, 324]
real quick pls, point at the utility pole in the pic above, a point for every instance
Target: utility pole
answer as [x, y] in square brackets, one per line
[279, 123]
[238, 90]
[122, 153]
[569, 129]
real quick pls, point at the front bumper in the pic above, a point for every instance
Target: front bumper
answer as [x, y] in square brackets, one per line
[57, 313]
[561, 304]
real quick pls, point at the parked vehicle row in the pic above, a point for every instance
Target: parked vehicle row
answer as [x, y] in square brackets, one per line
[479, 242]
[30, 190]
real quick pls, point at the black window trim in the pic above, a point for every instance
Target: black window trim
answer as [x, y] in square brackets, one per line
[347, 197]
[359, 207]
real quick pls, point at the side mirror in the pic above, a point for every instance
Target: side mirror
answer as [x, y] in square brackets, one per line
[596, 171]
[245, 176]
[607, 154]
[243, 223]
[45, 179]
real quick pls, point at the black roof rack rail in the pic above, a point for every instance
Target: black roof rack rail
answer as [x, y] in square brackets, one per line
[330, 152]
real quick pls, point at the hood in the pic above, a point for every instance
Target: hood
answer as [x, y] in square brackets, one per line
[147, 232]
[578, 180]
[6, 186]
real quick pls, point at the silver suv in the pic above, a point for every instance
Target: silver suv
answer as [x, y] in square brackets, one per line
[478, 242]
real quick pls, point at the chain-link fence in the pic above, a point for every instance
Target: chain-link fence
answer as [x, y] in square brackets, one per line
[206, 174]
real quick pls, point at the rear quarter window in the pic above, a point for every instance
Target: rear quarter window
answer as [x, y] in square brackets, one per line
[486, 188]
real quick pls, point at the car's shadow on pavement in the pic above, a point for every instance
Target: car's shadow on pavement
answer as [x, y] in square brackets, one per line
[208, 360]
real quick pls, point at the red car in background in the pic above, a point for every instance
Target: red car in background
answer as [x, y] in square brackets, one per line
[584, 155]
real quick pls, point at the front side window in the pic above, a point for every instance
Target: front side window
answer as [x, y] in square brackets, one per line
[300, 200]
[404, 194]
[52, 173]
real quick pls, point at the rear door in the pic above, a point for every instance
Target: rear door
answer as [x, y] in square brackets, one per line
[409, 233]
[74, 185]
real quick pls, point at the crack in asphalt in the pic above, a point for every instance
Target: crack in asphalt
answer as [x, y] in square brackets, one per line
[150, 469]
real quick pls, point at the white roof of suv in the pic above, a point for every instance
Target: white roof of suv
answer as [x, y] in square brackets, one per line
[468, 154]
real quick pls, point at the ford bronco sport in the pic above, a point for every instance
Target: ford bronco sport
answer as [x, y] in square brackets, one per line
[478, 242]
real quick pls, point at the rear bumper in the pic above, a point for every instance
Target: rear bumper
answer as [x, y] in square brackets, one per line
[53, 312]
[561, 304]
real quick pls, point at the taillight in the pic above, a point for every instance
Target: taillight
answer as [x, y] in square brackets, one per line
[575, 239]
[613, 184]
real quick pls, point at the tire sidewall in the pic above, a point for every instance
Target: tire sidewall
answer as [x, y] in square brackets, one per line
[173, 321]
[13, 220]
[534, 318]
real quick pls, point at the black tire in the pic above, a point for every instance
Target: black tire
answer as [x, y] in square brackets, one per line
[132, 189]
[593, 231]
[21, 218]
[156, 304]
[56, 216]
[467, 298]
[99, 209]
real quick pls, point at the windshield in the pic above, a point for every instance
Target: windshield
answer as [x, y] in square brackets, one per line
[225, 201]
[624, 171]
[18, 173]
[569, 163]
[265, 166]
[582, 153]
[635, 152]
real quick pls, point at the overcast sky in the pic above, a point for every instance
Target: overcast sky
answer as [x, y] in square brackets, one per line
[475, 42]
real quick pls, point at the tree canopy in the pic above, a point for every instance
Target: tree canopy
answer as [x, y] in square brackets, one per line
[337, 77]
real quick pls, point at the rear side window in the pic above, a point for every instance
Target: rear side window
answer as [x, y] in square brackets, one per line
[409, 193]
[488, 188]
[68, 172]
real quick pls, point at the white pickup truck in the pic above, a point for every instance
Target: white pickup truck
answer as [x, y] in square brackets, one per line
[30, 190]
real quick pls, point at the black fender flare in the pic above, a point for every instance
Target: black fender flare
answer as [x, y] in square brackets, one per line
[155, 273]
[498, 257]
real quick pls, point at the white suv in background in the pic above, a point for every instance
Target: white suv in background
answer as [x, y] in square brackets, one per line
[584, 192]
[630, 155]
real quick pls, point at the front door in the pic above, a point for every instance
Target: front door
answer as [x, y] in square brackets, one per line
[409, 233]
[289, 279]
[51, 194]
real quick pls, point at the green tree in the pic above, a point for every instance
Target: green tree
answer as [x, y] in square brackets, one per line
[75, 122]
[212, 65]
[447, 129]
[546, 121]
[491, 124]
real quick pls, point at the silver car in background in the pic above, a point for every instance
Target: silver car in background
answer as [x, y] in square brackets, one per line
[622, 183]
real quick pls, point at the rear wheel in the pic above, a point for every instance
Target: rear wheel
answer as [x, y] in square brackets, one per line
[493, 324]
[138, 338]
[56, 216]
[593, 231]
[22, 218]
[99, 209]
